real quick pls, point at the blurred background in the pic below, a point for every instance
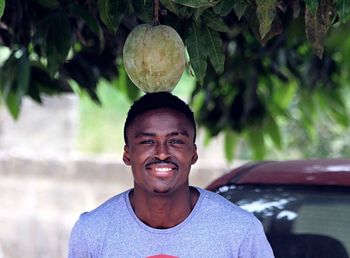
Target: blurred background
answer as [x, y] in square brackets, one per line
[272, 82]
[64, 157]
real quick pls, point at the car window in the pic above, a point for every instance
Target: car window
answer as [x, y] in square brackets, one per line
[301, 220]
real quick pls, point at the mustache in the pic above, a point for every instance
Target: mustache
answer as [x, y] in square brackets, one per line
[154, 162]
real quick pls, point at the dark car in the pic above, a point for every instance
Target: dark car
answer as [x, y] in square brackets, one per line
[304, 205]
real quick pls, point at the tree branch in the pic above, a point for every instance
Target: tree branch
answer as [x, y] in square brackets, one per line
[156, 12]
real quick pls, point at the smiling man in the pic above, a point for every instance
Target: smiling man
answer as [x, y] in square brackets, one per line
[162, 216]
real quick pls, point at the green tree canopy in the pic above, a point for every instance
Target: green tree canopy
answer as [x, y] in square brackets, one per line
[252, 58]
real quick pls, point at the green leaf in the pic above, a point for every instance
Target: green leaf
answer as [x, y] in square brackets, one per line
[266, 12]
[198, 12]
[58, 41]
[240, 7]
[256, 142]
[2, 7]
[111, 12]
[125, 85]
[215, 50]
[231, 140]
[197, 3]
[15, 76]
[272, 129]
[224, 7]
[22, 74]
[343, 9]
[143, 9]
[312, 5]
[214, 21]
[207, 137]
[13, 105]
[170, 5]
[196, 42]
[7, 76]
[334, 100]
[185, 12]
[283, 94]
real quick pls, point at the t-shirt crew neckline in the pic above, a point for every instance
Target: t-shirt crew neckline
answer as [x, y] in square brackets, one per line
[167, 230]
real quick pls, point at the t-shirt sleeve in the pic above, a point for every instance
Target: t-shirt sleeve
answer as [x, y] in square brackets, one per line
[78, 247]
[255, 244]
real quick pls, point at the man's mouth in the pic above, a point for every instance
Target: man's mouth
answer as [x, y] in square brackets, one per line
[162, 169]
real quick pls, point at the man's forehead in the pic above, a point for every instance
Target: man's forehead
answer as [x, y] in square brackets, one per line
[166, 119]
[161, 112]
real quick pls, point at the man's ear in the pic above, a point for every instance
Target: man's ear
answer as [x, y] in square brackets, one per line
[195, 155]
[126, 157]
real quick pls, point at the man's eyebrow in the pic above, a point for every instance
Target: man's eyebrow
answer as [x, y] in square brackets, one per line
[144, 134]
[184, 132]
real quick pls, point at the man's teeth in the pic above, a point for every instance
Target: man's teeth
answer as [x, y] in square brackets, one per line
[163, 169]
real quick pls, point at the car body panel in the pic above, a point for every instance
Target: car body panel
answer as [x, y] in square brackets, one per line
[298, 172]
[303, 205]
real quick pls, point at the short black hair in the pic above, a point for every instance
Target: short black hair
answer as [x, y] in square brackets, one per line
[157, 100]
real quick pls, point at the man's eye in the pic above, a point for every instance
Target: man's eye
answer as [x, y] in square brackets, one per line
[147, 142]
[176, 141]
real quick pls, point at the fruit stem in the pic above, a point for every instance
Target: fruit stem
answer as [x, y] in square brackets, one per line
[156, 12]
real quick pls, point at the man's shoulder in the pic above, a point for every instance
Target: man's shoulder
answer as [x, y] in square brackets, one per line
[105, 210]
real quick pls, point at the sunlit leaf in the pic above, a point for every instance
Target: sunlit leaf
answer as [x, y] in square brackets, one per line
[215, 50]
[207, 137]
[196, 42]
[266, 12]
[224, 7]
[197, 3]
[283, 94]
[2, 7]
[214, 21]
[273, 131]
[337, 107]
[230, 142]
[256, 142]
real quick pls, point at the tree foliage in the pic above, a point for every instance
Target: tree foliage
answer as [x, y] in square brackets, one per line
[250, 57]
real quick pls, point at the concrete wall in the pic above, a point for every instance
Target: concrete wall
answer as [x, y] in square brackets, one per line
[41, 198]
[45, 184]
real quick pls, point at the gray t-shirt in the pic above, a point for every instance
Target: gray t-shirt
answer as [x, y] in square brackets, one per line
[214, 228]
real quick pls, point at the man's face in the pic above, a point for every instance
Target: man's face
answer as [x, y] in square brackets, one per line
[160, 151]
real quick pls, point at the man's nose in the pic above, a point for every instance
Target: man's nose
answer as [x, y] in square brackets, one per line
[162, 151]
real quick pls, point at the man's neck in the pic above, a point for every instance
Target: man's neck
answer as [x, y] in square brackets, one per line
[163, 211]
